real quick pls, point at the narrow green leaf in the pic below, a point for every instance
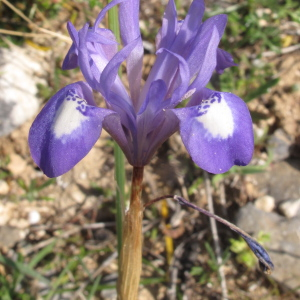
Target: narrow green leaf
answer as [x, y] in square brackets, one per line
[36, 259]
[60, 279]
[158, 270]
[45, 184]
[41, 254]
[113, 24]
[146, 281]
[94, 288]
[23, 268]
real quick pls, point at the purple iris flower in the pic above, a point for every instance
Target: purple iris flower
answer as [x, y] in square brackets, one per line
[215, 127]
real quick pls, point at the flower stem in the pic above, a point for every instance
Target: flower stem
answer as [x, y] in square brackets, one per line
[130, 264]
[113, 24]
[120, 195]
[178, 4]
[113, 21]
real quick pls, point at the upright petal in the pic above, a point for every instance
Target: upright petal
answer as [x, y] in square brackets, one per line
[167, 34]
[199, 52]
[130, 31]
[110, 72]
[93, 61]
[66, 129]
[180, 82]
[190, 26]
[207, 61]
[173, 70]
[217, 133]
[91, 76]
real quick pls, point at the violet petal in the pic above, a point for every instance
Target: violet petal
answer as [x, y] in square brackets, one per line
[167, 34]
[66, 129]
[217, 133]
[224, 60]
[130, 31]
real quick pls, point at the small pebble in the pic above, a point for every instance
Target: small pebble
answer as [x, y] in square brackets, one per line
[265, 203]
[290, 208]
[34, 217]
[17, 164]
[4, 187]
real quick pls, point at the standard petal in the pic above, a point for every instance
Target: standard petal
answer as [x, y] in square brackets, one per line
[66, 129]
[199, 52]
[110, 72]
[190, 26]
[180, 82]
[93, 58]
[167, 34]
[207, 61]
[173, 70]
[217, 133]
[108, 49]
[130, 31]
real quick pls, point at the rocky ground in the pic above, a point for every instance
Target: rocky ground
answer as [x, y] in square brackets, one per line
[75, 212]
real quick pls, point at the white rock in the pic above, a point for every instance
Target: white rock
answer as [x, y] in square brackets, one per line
[290, 208]
[265, 203]
[78, 195]
[4, 187]
[18, 98]
[6, 209]
[34, 217]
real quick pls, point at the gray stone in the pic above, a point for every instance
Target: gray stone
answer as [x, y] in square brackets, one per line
[281, 180]
[283, 246]
[18, 98]
[9, 236]
[280, 143]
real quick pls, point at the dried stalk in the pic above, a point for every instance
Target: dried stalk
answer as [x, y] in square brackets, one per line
[130, 264]
[213, 225]
[264, 259]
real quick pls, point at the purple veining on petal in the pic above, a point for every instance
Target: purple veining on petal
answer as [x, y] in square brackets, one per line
[64, 132]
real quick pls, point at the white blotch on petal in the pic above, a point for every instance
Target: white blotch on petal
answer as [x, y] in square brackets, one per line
[69, 117]
[218, 119]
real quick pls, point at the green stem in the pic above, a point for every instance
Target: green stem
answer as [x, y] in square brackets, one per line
[120, 179]
[113, 21]
[113, 24]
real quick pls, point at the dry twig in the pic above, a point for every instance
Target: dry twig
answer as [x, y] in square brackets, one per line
[216, 239]
[33, 25]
